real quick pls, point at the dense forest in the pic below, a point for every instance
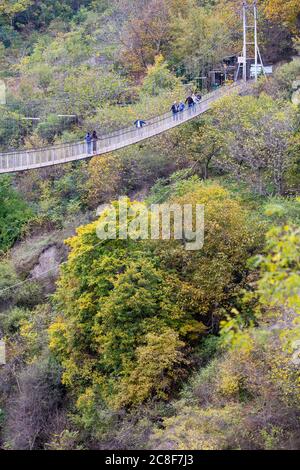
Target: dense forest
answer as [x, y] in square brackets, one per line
[141, 344]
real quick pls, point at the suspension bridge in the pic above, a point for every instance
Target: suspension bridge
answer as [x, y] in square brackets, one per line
[23, 160]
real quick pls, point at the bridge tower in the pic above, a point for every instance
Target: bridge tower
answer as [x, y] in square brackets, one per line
[250, 41]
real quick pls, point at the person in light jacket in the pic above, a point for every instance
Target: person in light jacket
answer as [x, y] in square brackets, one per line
[181, 108]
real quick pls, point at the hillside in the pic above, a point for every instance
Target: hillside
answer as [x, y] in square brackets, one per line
[139, 342]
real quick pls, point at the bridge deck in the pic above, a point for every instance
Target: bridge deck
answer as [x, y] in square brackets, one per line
[37, 158]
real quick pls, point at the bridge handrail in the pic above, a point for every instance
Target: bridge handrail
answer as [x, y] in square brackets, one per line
[122, 131]
[22, 160]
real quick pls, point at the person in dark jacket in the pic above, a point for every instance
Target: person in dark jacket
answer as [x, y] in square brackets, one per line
[88, 139]
[175, 110]
[139, 123]
[189, 101]
[95, 140]
[191, 104]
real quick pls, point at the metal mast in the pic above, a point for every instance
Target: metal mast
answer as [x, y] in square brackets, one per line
[254, 43]
[245, 26]
[255, 39]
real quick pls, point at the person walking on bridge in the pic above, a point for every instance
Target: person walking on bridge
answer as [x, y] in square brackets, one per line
[88, 139]
[181, 108]
[95, 140]
[139, 123]
[195, 100]
[175, 110]
[190, 102]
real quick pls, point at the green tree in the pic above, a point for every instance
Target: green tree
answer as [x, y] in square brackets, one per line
[287, 12]
[127, 310]
[10, 8]
[14, 213]
[12, 129]
[280, 267]
[254, 135]
[116, 304]
[159, 78]
[200, 39]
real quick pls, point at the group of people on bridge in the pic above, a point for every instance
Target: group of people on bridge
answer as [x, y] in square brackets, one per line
[176, 108]
[191, 102]
[91, 142]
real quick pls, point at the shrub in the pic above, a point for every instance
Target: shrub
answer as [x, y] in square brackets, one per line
[12, 320]
[29, 295]
[34, 408]
[285, 75]
[245, 399]
[8, 278]
[14, 213]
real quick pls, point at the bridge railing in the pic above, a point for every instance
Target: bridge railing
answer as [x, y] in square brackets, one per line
[47, 156]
